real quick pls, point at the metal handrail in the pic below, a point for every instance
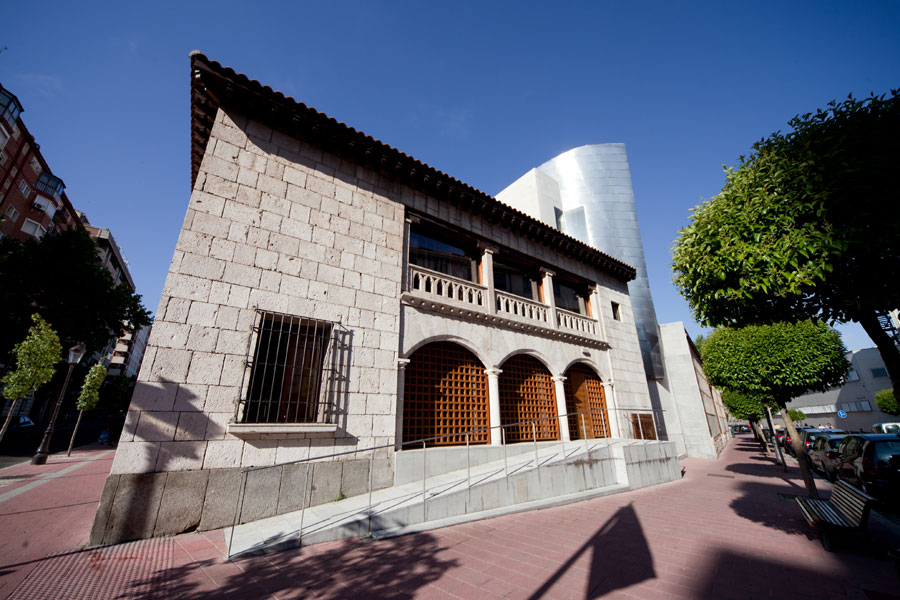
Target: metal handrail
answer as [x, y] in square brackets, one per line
[438, 437]
[245, 471]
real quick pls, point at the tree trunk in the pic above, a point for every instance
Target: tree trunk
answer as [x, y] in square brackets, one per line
[779, 453]
[889, 352]
[72, 441]
[9, 416]
[800, 451]
[761, 436]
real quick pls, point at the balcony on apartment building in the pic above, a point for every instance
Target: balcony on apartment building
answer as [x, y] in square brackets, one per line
[449, 273]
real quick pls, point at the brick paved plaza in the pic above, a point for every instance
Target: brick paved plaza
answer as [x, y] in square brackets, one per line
[720, 532]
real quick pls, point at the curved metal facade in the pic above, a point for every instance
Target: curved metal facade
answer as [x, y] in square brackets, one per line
[596, 198]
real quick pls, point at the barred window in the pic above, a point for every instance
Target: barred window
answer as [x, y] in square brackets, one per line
[288, 369]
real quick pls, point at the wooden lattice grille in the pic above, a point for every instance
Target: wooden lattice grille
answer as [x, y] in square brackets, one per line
[584, 392]
[526, 393]
[445, 392]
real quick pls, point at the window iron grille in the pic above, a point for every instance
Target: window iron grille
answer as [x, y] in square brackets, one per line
[290, 374]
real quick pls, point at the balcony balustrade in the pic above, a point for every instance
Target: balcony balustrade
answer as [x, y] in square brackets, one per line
[445, 293]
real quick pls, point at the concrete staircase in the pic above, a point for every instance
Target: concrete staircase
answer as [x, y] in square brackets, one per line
[547, 474]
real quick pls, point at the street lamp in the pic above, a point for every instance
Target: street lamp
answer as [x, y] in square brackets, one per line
[40, 458]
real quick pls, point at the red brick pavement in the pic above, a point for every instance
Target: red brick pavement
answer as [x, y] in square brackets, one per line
[720, 532]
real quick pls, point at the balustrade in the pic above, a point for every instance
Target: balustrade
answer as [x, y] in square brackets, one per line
[450, 290]
[516, 306]
[440, 286]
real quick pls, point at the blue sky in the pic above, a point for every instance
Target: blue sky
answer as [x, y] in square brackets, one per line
[481, 90]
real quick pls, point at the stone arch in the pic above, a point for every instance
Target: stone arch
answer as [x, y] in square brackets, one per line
[584, 392]
[448, 337]
[539, 356]
[445, 392]
[527, 394]
[587, 362]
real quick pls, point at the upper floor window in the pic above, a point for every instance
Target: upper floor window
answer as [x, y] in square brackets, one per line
[514, 281]
[10, 108]
[11, 213]
[879, 372]
[616, 311]
[4, 137]
[36, 165]
[3, 157]
[50, 184]
[568, 298]
[431, 249]
[23, 187]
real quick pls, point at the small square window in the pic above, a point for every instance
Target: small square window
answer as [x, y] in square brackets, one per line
[616, 311]
[16, 132]
[3, 158]
[4, 137]
[879, 372]
[36, 165]
[11, 213]
[289, 370]
[23, 187]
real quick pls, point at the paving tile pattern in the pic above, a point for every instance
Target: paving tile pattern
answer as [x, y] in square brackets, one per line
[722, 531]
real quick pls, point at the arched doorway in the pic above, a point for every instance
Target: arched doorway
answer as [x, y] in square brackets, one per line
[445, 392]
[526, 393]
[584, 392]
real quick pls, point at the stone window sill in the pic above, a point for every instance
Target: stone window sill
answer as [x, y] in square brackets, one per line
[256, 429]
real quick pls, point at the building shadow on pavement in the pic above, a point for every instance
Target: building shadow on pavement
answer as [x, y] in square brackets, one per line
[620, 557]
[354, 568]
[734, 575]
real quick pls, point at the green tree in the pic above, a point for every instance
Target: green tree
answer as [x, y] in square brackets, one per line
[62, 278]
[89, 397]
[796, 415]
[777, 362]
[805, 227]
[36, 357]
[887, 402]
[743, 406]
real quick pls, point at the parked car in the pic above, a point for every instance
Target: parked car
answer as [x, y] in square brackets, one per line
[871, 461]
[886, 428]
[789, 447]
[809, 436]
[824, 454]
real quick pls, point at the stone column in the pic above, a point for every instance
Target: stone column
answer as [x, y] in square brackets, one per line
[559, 385]
[404, 274]
[494, 404]
[597, 313]
[615, 418]
[487, 276]
[401, 381]
[547, 293]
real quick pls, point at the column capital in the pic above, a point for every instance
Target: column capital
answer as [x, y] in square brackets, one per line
[493, 372]
[558, 379]
[413, 219]
[546, 271]
[485, 247]
[402, 362]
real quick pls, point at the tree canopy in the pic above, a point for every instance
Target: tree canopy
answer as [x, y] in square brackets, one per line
[61, 277]
[743, 406]
[777, 361]
[90, 390]
[36, 359]
[887, 402]
[806, 226]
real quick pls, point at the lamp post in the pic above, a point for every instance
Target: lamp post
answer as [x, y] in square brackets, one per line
[40, 457]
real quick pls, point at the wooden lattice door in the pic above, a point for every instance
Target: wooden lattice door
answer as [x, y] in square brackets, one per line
[584, 392]
[526, 394]
[445, 392]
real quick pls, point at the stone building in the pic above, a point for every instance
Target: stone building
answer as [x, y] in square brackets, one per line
[329, 294]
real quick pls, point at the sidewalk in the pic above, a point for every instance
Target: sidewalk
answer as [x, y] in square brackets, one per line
[720, 532]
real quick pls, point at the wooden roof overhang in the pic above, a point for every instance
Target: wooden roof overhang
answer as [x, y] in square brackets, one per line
[214, 86]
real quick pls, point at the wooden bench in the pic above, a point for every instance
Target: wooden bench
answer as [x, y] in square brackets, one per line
[847, 509]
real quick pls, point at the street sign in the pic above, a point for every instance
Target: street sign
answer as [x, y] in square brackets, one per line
[842, 414]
